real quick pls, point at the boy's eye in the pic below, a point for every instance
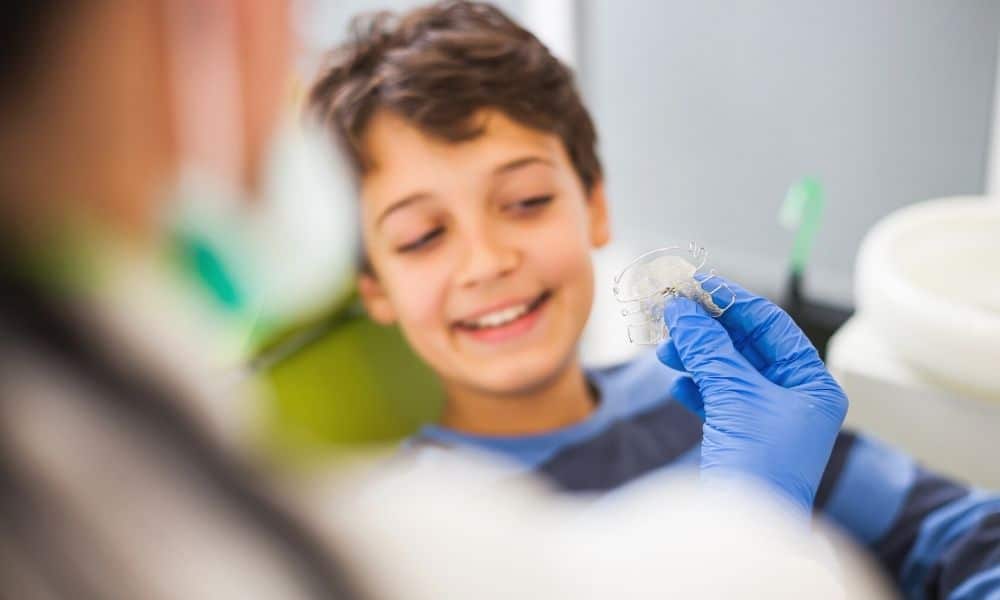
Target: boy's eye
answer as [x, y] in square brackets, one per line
[529, 205]
[421, 242]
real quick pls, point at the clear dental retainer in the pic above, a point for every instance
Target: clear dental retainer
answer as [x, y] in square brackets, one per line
[656, 278]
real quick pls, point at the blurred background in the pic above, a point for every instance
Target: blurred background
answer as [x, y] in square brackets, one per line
[709, 114]
[709, 111]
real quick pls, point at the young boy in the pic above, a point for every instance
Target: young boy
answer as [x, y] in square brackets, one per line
[482, 197]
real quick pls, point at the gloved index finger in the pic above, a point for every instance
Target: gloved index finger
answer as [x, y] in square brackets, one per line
[704, 347]
[761, 331]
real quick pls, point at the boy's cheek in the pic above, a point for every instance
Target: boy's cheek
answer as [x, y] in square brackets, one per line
[563, 255]
[569, 270]
[417, 294]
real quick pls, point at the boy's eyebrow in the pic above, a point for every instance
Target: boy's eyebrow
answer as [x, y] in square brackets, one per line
[404, 201]
[517, 163]
[506, 167]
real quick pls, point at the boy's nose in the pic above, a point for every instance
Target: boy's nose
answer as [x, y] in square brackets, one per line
[486, 259]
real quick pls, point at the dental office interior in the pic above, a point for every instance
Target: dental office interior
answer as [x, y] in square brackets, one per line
[200, 399]
[840, 158]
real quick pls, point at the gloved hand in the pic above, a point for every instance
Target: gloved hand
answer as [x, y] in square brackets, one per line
[771, 409]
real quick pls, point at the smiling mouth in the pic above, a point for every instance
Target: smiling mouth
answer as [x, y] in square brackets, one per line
[505, 316]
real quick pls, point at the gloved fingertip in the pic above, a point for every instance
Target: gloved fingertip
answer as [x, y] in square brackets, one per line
[680, 307]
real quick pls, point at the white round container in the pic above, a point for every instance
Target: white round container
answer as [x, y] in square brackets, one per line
[928, 280]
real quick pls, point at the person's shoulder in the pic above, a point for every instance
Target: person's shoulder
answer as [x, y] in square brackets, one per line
[636, 384]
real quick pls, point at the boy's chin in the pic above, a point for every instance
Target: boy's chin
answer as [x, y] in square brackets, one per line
[511, 388]
[517, 380]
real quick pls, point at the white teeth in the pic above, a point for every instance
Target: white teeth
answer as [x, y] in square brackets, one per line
[500, 317]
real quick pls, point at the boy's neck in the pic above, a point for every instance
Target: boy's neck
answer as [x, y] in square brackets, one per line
[563, 401]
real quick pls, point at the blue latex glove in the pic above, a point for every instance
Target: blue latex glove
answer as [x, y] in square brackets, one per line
[771, 409]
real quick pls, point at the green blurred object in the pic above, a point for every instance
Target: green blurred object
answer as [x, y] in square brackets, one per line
[206, 264]
[346, 381]
[802, 212]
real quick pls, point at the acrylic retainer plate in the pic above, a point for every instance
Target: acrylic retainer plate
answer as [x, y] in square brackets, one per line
[648, 283]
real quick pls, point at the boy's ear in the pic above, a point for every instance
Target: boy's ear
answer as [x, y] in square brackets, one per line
[597, 206]
[376, 301]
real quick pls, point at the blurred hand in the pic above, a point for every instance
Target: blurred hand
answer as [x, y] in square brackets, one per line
[771, 409]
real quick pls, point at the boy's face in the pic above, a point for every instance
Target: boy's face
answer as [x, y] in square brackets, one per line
[480, 249]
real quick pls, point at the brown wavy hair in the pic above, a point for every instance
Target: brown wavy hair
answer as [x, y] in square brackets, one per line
[437, 66]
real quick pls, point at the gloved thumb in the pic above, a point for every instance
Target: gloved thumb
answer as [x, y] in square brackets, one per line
[704, 346]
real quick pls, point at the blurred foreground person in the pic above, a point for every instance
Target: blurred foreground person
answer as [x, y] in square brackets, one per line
[141, 141]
